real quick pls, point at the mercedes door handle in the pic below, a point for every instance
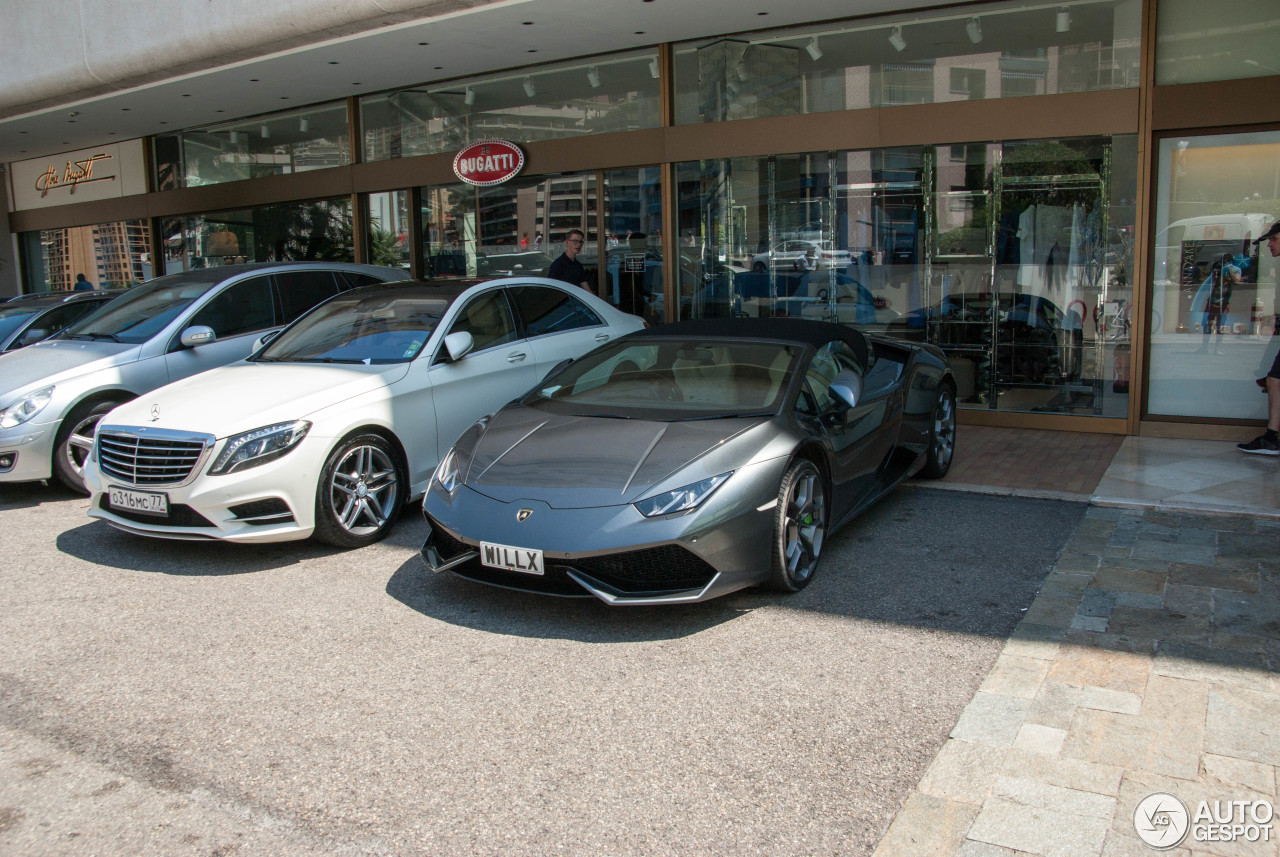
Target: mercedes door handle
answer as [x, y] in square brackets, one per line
[516, 357]
[602, 337]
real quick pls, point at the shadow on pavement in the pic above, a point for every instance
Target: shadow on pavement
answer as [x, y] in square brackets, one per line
[918, 558]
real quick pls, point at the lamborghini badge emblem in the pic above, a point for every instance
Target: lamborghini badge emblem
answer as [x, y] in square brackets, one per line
[523, 515]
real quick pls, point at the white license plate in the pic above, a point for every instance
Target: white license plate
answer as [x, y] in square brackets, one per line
[511, 558]
[138, 501]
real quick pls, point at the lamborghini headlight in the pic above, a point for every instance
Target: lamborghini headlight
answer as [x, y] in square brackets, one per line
[448, 473]
[25, 408]
[681, 499]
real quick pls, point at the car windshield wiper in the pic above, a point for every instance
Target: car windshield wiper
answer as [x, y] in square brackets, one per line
[352, 360]
[723, 416]
[607, 416]
[110, 337]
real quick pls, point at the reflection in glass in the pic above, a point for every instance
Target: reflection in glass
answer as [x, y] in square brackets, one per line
[1000, 253]
[1192, 47]
[931, 56]
[389, 229]
[110, 255]
[548, 103]
[315, 231]
[1213, 308]
[276, 144]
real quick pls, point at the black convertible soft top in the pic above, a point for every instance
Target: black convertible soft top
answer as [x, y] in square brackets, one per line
[815, 333]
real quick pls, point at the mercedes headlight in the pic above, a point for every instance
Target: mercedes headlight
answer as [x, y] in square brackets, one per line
[25, 408]
[681, 499]
[259, 446]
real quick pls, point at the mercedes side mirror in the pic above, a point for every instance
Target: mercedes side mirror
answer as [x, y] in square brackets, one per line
[197, 334]
[457, 345]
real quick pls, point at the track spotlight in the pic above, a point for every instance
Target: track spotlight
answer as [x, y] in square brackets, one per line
[895, 39]
[974, 30]
[265, 131]
[815, 52]
[593, 77]
[653, 68]
[235, 138]
[1064, 20]
[304, 124]
[469, 96]
[529, 89]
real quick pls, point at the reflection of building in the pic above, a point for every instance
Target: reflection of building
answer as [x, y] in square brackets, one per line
[110, 255]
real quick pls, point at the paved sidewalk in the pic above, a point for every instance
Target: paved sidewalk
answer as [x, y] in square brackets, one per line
[1146, 664]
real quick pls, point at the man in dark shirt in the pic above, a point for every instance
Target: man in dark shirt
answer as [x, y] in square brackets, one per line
[567, 268]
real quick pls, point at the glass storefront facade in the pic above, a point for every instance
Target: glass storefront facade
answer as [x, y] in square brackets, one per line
[1213, 310]
[974, 53]
[110, 255]
[315, 231]
[1007, 255]
[609, 94]
[1011, 243]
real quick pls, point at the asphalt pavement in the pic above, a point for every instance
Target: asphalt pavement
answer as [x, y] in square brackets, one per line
[185, 698]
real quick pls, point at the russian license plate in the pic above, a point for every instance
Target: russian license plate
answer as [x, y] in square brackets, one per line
[511, 558]
[138, 501]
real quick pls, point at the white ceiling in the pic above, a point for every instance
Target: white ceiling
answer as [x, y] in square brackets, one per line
[485, 39]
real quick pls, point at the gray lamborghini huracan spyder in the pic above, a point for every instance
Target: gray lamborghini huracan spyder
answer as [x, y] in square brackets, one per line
[685, 461]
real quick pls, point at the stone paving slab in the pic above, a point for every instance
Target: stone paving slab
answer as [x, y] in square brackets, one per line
[1149, 662]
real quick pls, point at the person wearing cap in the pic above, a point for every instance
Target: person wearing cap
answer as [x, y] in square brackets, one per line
[1268, 443]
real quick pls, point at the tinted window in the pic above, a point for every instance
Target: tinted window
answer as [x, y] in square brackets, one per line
[57, 318]
[488, 319]
[351, 280]
[246, 307]
[301, 290]
[547, 310]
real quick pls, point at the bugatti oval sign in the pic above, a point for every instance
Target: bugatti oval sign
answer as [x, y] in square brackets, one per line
[488, 162]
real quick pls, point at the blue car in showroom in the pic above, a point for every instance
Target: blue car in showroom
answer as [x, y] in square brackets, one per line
[683, 462]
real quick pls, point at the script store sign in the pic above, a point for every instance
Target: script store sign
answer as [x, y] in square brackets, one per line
[488, 162]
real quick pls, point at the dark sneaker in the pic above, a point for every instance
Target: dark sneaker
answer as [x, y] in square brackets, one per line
[1260, 445]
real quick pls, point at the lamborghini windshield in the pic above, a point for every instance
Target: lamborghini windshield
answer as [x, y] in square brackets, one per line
[675, 379]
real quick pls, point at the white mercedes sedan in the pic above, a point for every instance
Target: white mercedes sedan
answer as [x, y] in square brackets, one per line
[329, 428]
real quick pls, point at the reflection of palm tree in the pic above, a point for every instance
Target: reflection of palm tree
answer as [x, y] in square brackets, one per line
[384, 247]
[319, 231]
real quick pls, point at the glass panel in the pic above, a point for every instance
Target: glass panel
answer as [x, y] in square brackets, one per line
[276, 144]
[1192, 46]
[389, 229]
[1213, 308]
[275, 233]
[998, 253]
[944, 55]
[483, 231]
[244, 308]
[109, 256]
[619, 93]
[633, 275]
